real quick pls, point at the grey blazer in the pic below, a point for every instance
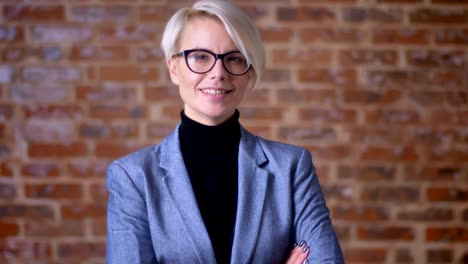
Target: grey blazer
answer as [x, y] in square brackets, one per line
[153, 217]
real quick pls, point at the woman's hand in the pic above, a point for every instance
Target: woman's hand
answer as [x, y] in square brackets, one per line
[299, 254]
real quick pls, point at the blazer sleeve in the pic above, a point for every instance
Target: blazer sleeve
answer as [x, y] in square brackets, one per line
[311, 215]
[128, 234]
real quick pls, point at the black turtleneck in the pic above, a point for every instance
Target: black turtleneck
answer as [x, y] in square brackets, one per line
[210, 155]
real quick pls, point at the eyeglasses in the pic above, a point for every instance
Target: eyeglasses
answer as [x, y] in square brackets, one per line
[202, 61]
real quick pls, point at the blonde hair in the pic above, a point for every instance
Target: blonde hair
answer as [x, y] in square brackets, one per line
[238, 25]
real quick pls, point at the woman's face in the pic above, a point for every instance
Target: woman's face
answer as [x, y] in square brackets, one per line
[212, 97]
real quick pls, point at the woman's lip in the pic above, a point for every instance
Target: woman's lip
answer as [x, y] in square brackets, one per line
[215, 91]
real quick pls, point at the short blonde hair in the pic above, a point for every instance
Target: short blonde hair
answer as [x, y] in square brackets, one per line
[238, 25]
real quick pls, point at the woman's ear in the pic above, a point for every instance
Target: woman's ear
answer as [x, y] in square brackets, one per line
[172, 66]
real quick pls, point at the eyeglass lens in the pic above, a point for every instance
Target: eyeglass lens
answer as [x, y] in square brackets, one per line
[203, 61]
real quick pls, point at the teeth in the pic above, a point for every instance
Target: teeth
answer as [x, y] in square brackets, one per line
[214, 91]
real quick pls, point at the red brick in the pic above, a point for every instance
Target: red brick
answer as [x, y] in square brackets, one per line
[7, 74]
[439, 255]
[102, 53]
[337, 192]
[361, 96]
[330, 152]
[434, 174]
[48, 131]
[6, 111]
[117, 149]
[262, 113]
[54, 191]
[440, 154]
[87, 169]
[51, 73]
[452, 36]
[8, 191]
[387, 233]
[259, 95]
[305, 57]
[351, 57]
[23, 12]
[442, 116]
[439, 15]
[26, 211]
[9, 33]
[404, 255]
[444, 194]
[53, 111]
[99, 227]
[61, 33]
[115, 111]
[398, 2]
[401, 36]
[276, 76]
[99, 192]
[276, 34]
[6, 169]
[307, 133]
[150, 54]
[127, 33]
[327, 1]
[114, 131]
[93, 210]
[110, 92]
[360, 213]
[393, 194]
[128, 73]
[81, 250]
[447, 234]
[332, 35]
[380, 16]
[172, 112]
[335, 77]
[40, 92]
[8, 229]
[62, 229]
[389, 154]
[101, 14]
[162, 93]
[431, 214]
[40, 169]
[305, 13]
[56, 150]
[376, 135]
[366, 173]
[393, 116]
[365, 255]
[307, 96]
[155, 13]
[159, 130]
[435, 58]
[25, 249]
[327, 116]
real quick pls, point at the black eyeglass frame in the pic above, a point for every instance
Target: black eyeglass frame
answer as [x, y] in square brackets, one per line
[185, 54]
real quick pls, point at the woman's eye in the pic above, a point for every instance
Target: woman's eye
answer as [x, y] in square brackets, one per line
[199, 57]
[236, 59]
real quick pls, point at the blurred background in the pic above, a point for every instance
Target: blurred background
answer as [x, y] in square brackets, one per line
[376, 89]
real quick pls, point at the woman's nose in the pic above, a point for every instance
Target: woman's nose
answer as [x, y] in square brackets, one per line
[218, 70]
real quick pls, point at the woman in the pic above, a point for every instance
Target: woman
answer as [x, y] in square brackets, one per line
[212, 192]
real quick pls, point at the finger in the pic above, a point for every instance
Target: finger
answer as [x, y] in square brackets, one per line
[295, 254]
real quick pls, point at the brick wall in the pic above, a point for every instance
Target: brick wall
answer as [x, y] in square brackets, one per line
[376, 89]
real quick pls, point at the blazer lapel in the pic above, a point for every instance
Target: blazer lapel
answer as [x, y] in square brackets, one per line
[179, 189]
[253, 182]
